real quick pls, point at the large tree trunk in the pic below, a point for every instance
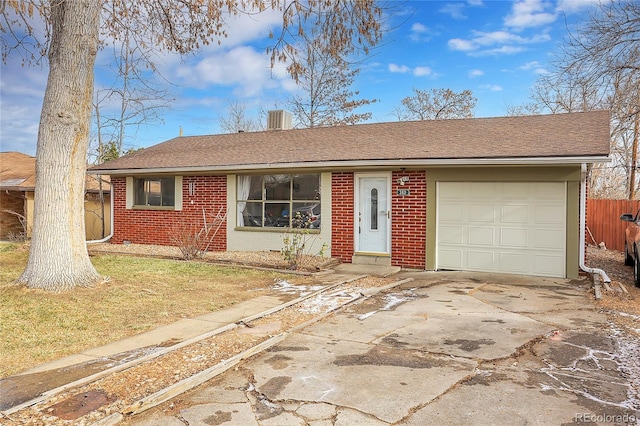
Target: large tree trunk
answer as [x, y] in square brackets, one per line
[58, 258]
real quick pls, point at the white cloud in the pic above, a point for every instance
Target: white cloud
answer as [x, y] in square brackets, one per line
[476, 73]
[241, 67]
[22, 92]
[530, 13]
[455, 10]
[505, 42]
[535, 67]
[460, 44]
[420, 32]
[419, 28]
[573, 6]
[401, 69]
[417, 71]
[421, 71]
[529, 65]
[492, 87]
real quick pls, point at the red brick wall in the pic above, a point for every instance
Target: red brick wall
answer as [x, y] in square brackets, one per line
[409, 220]
[342, 213]
[9, 223]
[157, 226]
[408, 224]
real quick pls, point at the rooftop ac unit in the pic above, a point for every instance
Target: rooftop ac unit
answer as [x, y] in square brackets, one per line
[279, 120]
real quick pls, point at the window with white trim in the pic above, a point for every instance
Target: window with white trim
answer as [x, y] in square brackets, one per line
[283, 201]
[151, 192]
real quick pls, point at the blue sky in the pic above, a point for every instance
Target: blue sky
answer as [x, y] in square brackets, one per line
[496, 49]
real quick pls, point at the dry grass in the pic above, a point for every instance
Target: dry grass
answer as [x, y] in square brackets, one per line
[142, 293]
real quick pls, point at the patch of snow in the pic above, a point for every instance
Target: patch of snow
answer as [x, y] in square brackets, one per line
[285, 287]
[363, 317]
[628, 358]
[624, 314]
[392, 299]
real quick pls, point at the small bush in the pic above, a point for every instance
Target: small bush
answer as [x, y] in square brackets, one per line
[296, 248]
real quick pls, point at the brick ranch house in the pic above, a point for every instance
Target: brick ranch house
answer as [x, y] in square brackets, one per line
[485, 194]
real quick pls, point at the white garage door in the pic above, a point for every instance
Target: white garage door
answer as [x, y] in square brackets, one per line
[510, 227]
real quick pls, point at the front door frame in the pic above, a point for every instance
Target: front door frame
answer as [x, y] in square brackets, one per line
[386, 217]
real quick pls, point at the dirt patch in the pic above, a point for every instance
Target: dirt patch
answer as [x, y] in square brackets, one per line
[622, 307]
[469, 345]
[380, 355]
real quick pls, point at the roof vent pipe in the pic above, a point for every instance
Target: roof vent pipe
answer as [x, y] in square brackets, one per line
[583, 227]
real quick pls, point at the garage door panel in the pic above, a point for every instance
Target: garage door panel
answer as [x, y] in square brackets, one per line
[482, 213]
[549, 214]
[452, 212]
[547, 264]
[481, 260]
[451, 234]
[481, 236]
[523, 227]
[547, 239]
[514, 237]
[479, 191]
[450, 259]
[515, 263]
[455, 188]
[548, 191]
[512, 192]
[514, 213]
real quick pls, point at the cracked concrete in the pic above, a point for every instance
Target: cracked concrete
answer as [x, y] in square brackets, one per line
[445, 348]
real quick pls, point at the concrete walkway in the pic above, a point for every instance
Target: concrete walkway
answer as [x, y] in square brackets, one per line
[30, 383]
[445, 348]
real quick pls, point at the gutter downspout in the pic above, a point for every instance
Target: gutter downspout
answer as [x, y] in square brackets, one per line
[108, 237]
[583, 226]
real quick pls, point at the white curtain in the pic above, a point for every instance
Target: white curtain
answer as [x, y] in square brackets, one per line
[244, 186]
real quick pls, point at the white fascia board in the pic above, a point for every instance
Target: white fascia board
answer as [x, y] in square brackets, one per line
[529, 161]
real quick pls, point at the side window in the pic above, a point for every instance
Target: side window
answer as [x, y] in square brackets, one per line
[154, 192]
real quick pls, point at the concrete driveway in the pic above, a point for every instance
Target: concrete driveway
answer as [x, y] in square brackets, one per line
[444, 348]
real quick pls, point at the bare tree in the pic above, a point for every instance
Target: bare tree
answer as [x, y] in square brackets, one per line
[529, 108]
[325, 82]
[598, 67]
[133, 99]
[437, 104]
[237, 119]
[74, 29]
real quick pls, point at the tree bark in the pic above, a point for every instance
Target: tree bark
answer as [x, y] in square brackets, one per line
[58, 257]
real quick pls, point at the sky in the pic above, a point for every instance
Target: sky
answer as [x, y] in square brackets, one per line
[496, 49]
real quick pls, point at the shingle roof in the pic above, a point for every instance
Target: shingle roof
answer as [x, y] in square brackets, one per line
[18, 173]
[542, 136]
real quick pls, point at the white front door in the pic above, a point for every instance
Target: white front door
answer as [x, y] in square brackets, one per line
[373, 213]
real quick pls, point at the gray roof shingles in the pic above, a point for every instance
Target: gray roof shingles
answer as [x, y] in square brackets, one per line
[541, 136]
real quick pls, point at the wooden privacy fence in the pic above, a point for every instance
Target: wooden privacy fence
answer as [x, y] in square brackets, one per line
[604, 224]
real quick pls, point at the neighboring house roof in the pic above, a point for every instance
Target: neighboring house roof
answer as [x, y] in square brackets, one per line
[18, 173]
[540, 139]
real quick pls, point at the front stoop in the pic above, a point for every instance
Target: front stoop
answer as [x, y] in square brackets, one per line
[370, 259]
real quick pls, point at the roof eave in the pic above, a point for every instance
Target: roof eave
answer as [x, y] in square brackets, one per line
[507, 161]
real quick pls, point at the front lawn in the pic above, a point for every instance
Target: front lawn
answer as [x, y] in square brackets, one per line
[140, 294]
